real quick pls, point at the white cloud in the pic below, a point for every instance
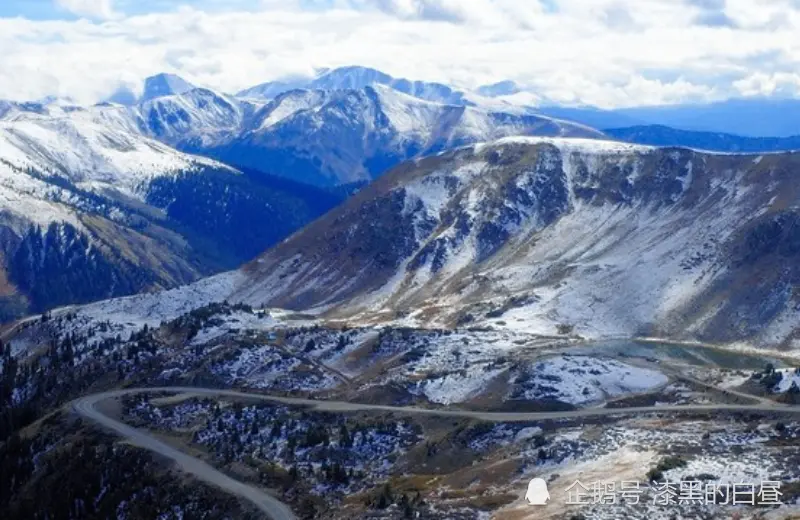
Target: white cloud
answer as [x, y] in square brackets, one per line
[777, 84]
[483, 11]
[99, 9]
[600, 52]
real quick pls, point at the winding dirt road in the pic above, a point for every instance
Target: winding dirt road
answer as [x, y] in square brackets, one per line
[271, 506]
[277, 510]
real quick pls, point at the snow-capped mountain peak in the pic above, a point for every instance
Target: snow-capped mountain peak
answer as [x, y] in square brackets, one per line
[354, 78]
[351, 77]
[351, 135]
[153, 87]
[164, 84]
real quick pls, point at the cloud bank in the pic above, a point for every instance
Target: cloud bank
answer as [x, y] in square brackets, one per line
[608, 53]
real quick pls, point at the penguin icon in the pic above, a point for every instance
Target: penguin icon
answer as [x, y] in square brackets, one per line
[537, 494]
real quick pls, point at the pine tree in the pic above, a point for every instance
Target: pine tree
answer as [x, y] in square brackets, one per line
[345, 440]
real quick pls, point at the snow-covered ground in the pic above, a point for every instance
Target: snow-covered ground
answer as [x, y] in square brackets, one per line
[723, 453]
[266, 366]
[624, 270]
[789, 377]
[449, 367]
[90, 154]
[365, 449]
[129, 314]
[570, 145]
[579, 379]
[460, 386]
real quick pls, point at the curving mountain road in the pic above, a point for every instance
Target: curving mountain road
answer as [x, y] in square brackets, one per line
[277, 510]
[274, 508]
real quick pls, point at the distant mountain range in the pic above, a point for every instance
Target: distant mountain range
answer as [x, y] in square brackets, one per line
[329, 136]
[176, 182]
[104, 201]
[750, 124]
[658, 135]
[749, 117]
[354, 78]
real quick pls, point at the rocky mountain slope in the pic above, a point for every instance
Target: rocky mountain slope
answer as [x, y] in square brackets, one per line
[90, 209]
[330, 137]
[553, 235]
[544, 235]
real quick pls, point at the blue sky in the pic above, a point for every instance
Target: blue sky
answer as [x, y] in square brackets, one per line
[51, 10]
[608, 53]
[35, 9]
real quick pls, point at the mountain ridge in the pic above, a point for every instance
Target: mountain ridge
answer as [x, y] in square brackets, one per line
[541, 228]
[323, 137]
[91, 210]
[329, 137]
[356, 77]
[385, 128]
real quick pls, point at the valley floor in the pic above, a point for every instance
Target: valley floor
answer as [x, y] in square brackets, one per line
[517, 407]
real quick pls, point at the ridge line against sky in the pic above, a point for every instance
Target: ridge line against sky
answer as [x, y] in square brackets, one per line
[607, 53]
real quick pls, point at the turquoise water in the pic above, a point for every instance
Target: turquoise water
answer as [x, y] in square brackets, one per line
[688, 354]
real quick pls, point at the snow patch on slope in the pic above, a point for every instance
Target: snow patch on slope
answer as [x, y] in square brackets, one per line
[290, 104]
[459, 387]
[571, 144]
[131, 313]
[627, 269]
[92, 154]
[25, 201]
[579, 380]
[408, 115]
